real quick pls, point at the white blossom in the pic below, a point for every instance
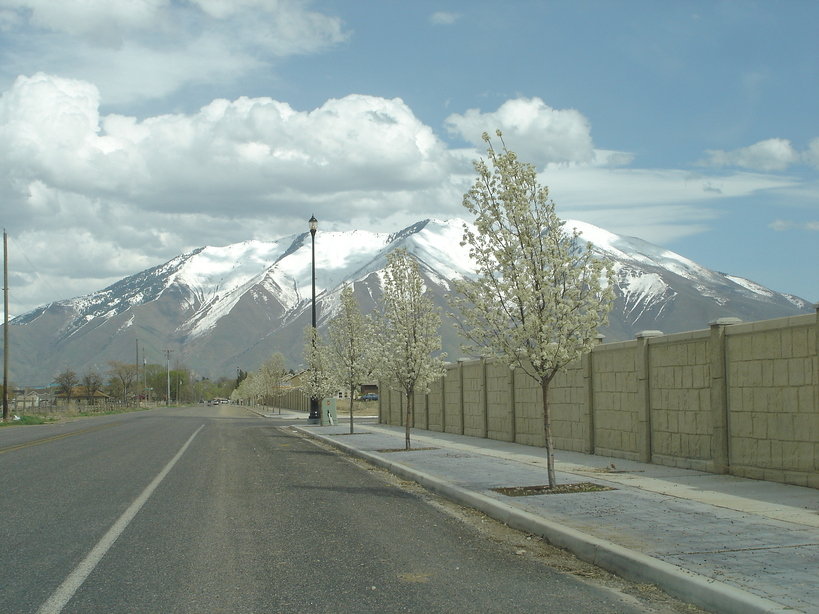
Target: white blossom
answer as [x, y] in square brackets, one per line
[409, 342]
[318, 382]
[540, 295]
[349, 344]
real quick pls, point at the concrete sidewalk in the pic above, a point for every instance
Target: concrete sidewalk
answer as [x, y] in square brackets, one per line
[726, 544]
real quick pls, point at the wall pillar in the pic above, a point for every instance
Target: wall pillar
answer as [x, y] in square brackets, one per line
[381, 391]
[443, 400]
[426, 411]
[720, 415]
[588, 381]
[512, 410]
[644, 447]
[461, 395]
[484, 400]
[816, 363]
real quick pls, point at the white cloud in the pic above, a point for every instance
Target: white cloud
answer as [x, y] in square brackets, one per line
[811, 156]
[92, 197]
[443, 18]
[248, 168]
[767, 155]
[535, 131]
[256, 150]
[784, 225]
[98, 20]
[143, 49]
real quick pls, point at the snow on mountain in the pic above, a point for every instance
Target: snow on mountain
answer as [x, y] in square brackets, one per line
[632, 249]
[750, 285]
[230, 306]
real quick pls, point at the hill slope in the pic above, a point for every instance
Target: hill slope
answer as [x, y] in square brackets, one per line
[223, 308]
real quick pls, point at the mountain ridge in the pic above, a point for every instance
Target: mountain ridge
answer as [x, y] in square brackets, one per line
[229, 307]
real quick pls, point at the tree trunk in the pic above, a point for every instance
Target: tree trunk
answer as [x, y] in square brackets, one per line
[547, 431]
[408, 421]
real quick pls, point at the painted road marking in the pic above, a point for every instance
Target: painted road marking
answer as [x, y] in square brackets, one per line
[37, 442]
[74, 581]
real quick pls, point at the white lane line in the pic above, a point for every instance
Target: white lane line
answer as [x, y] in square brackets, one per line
[72, 583]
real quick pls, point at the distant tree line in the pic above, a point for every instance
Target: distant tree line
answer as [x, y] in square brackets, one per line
[127, 383]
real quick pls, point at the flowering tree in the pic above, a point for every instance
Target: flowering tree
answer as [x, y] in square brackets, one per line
[349, 344]
[408, 331]
[249, 389]
[318, 381]
[271, 377]
[539, 295]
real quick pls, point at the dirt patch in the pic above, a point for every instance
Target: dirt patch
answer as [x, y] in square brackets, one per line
[545, 489]
[612, 469]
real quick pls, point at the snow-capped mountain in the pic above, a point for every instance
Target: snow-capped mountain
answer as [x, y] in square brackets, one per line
[223, 308]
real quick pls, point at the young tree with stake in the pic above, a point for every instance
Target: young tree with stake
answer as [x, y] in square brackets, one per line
[408, 331]
[349, 343]
[539, 296]
[271, 377]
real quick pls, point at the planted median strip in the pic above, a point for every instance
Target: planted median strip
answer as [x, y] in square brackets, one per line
[545, 489]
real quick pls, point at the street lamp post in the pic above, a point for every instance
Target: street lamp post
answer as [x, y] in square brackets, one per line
[314, 416]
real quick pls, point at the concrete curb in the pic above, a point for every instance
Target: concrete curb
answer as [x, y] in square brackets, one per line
[635, 566]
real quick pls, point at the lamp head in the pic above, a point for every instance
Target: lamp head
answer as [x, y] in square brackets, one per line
[313, 224]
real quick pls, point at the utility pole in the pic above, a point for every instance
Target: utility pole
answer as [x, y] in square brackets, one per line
[5, 327]
[168, 361]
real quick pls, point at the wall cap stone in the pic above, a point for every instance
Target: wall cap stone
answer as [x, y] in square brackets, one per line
[644, 334]
[725, 321]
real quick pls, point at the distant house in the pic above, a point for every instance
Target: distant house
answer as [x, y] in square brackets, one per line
[295, 381]
[369, 389]
[80, 394]
[28, 399]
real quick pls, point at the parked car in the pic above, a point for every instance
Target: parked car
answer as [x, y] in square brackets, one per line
[370, 396]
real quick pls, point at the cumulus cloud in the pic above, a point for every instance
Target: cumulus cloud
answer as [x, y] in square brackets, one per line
[143, 49]
[256, 150]
[98, 20]
[811, 156]
[236, 169]
[767, 155]
[91, 197]
[539, 133]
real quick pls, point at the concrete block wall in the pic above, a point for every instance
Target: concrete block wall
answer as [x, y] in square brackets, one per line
[569, 395]
[772, 391]
[680, 400]
[435, 404]
[473, 382]
[528, 410]
[453, 403]
[500, 402]
[614, 388]
[734, 398]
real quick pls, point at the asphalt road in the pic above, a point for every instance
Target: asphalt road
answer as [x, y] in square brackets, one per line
[212, 509]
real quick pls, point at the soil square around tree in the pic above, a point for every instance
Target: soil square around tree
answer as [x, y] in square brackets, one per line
[544, 489]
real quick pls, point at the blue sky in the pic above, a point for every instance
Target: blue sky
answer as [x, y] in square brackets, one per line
[131, 131]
